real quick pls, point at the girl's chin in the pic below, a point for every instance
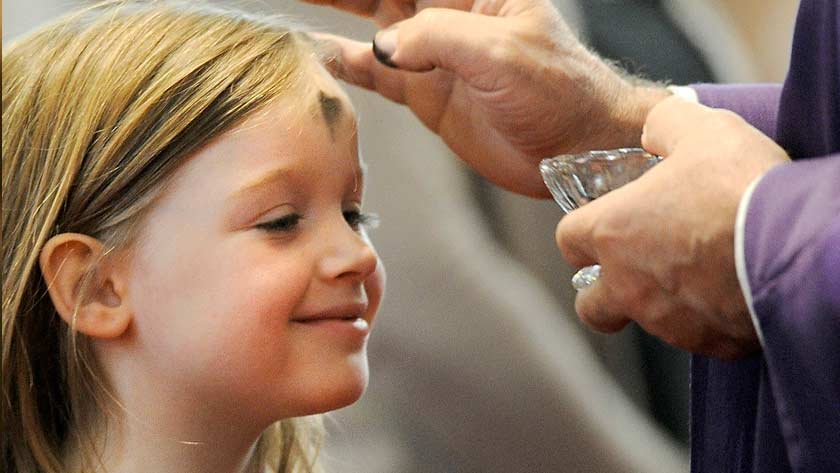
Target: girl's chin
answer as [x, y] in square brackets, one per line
[338, 395]
[348, 395]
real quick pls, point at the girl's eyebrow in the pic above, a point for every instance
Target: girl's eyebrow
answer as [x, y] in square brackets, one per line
[270, 177]
[280, 174]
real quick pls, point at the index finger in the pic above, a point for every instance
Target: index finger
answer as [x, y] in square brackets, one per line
[574, 237]
[353, 62]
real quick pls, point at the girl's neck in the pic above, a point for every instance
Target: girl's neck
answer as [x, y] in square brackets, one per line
[163, 425]
[167, 438]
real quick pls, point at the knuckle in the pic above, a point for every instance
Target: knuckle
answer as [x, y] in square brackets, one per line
[670, 278]
[568, 236]
[632, 296]
[605, 236]
[659, 114]
[426, 18]
[658, 320]
[502, 51]
[603, 239]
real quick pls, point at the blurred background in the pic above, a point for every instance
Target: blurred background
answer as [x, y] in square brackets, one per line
[478, 362]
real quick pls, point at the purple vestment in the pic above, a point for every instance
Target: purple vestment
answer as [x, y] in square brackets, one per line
[779, 411]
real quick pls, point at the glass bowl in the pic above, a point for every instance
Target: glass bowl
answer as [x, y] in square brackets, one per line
[577, 179]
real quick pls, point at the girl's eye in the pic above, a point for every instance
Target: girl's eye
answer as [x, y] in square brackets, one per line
[358, 220]
[286, 223]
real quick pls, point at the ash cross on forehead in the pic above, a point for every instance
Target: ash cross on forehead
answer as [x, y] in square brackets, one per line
[331, 109]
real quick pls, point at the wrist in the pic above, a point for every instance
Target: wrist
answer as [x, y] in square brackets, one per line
[630, 112]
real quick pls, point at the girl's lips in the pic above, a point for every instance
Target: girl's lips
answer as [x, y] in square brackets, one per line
[340, 330]
[356, 322]
[345, 312]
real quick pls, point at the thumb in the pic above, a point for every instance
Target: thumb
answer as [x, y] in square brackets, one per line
[454, 40]
[669, 121]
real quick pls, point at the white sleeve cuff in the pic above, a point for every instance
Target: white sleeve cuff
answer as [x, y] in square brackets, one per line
[684, 92]
[740, 258]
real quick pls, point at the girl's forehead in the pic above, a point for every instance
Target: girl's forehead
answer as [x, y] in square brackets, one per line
[319, 103]
[316, 128]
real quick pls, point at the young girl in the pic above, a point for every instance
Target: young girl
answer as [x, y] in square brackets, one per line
[184, 252]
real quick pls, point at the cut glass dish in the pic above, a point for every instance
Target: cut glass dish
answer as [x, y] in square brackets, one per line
[577, 179]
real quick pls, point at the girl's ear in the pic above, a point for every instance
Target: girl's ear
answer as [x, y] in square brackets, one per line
[78, 276]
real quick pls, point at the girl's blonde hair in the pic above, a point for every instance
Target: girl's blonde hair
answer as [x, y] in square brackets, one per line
[99, 109]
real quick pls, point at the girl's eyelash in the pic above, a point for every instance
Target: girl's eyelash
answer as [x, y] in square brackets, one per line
[357, 219]
[287, 223]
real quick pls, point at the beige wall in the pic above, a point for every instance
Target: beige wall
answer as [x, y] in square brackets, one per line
[743, 40]
[766, 27]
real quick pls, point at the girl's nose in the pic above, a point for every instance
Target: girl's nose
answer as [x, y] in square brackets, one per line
[350, 256]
